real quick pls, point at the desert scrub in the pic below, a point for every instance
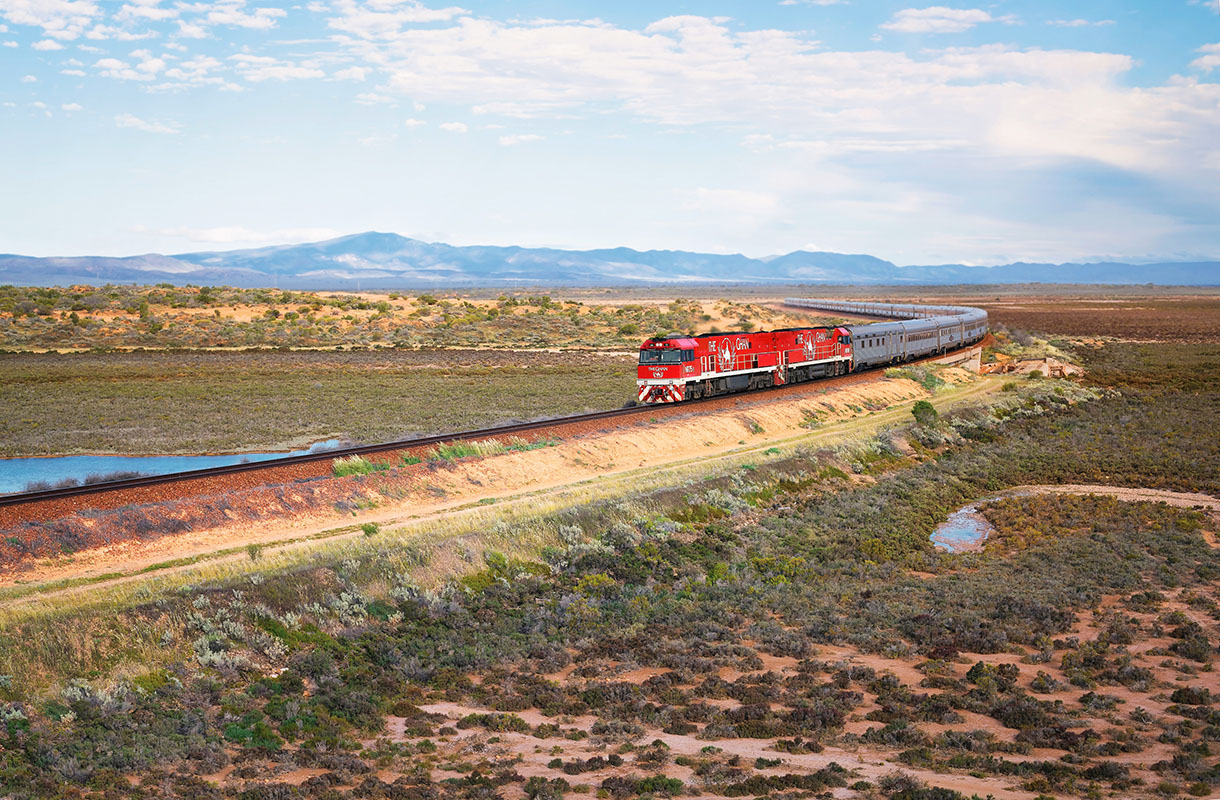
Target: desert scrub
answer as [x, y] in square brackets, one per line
[151, 402]
[193, 317]
[321, 653]
[925, 375]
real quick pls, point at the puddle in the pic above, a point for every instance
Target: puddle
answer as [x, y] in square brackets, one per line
[965, 530]
[18, 473]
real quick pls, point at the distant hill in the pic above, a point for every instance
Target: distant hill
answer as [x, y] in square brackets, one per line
[389, 261]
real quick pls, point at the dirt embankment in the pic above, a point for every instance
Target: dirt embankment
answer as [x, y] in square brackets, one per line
[134, 537]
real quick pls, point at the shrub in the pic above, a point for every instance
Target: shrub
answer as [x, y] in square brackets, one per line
[659, 784]
[924, 413]
[451, 451]
[539, 788]
[499, 723]
[352, 465]
[370, 528]
[1192, 696]
[107, 477]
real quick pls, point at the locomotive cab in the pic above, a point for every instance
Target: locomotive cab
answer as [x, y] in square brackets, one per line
[669, 355]
[666, 364]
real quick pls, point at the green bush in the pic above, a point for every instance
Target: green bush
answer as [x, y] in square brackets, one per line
[925, 413]
[353, 465]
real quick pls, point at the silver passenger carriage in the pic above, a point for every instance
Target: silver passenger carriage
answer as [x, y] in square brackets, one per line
[914, 332]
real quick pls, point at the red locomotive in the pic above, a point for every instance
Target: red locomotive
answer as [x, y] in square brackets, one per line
[676, 368]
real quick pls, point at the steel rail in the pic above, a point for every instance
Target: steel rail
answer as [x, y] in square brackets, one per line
[22, 498]
[306, 458]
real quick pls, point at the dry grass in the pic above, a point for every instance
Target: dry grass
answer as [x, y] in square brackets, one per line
[196, 402]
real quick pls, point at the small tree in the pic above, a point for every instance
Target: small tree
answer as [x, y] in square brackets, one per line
[925, 413]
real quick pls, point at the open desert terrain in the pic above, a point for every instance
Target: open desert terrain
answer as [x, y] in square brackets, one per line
[732, 600]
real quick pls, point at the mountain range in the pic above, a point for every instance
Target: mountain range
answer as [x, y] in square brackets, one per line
[389, 261]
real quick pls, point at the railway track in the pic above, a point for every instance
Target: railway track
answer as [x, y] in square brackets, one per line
[11, 502]
[308, 458]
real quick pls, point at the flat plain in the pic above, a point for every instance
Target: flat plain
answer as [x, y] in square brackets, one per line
[772, 622]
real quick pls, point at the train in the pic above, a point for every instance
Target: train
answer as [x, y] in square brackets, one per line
[676, 368]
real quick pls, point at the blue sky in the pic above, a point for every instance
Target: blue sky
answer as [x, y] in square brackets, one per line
[974, 132]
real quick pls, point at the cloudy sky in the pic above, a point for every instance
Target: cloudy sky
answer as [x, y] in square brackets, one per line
[1010, 130]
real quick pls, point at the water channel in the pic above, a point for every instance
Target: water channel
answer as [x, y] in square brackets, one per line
[16, 474]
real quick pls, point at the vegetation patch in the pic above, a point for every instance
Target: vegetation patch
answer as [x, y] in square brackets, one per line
[731, 611]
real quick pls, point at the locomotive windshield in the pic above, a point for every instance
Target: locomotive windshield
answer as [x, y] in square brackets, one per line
[666, 356]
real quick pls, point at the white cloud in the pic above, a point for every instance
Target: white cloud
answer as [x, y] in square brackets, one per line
[191, 30]
[146, 67]
[131, 121]
[71, 106]
[937, 19]
[29, 79]
[197, 71]
[382, 19]
[47, 44]
[520, 138]
[414, 123]
[351, 74]
[233, 14]
[104, 32]
[1079, 23]
[1211, 58]
[373, 99]
[811, 2]
[454, 127]
[238, 234]
[10, 44]
[990, 101]
[263, 68]
[59, 19]
[146, 10]
[75, 72]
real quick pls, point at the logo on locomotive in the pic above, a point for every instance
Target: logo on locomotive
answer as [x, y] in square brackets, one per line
[725, 354]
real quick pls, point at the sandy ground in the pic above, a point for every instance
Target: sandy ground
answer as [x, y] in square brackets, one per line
[869, 766]
[868, 762]
[529, 755]
[1177, 499]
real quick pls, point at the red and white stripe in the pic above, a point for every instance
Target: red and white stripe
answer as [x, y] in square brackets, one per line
[664, 393]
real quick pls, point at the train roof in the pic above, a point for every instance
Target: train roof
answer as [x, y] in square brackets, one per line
[691, 337]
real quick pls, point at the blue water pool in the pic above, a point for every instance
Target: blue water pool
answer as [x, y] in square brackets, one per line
[17, 473]
[965, 529]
